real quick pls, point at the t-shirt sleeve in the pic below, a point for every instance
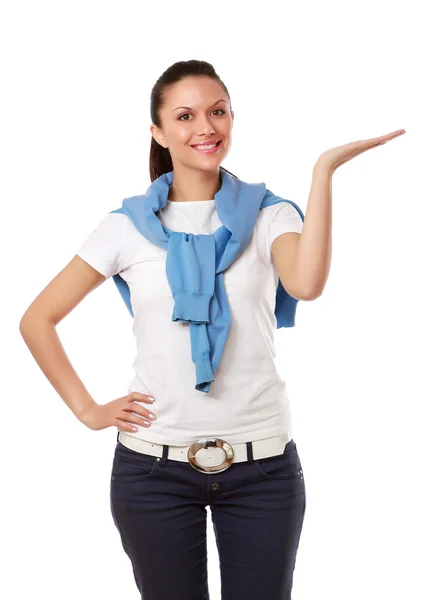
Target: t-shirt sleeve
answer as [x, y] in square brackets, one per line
[102, 249]
[284, 218]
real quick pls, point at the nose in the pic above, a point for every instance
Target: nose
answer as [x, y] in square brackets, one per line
[208, 128]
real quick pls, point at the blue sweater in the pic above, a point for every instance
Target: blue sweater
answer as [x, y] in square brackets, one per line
[195, 263]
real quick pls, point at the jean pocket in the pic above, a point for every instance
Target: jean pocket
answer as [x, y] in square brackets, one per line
[282, 466]
[130, 466]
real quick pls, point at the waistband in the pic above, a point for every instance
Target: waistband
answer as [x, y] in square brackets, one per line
[210, 451]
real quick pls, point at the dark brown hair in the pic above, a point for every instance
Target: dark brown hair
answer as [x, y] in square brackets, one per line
[160, 159]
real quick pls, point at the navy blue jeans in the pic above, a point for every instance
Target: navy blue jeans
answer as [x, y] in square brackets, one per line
[257, 508]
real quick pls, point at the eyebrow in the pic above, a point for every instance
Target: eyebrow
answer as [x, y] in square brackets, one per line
[189, 108]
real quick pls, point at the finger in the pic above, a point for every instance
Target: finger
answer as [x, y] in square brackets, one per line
[366, 146]
[123, 426]
[142, 397]
[385, 138]
[131, 418]
[140, 410]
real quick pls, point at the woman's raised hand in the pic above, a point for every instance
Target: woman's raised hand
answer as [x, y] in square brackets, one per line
[335, 157]
[119, 412]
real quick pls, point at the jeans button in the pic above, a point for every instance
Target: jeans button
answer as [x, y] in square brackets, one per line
[215, 486]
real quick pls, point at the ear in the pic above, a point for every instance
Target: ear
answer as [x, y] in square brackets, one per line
[157, 134]
[232, 117]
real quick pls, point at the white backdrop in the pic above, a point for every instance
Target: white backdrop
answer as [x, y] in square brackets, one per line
[362, 363]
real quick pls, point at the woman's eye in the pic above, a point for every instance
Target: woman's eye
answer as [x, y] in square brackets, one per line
[187, 114]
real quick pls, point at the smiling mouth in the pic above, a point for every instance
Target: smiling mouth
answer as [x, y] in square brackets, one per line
[207, 144]
[198, 147]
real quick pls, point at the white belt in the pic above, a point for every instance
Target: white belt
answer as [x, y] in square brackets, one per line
[210, 455]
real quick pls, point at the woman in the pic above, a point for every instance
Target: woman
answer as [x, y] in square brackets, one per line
[226, 442]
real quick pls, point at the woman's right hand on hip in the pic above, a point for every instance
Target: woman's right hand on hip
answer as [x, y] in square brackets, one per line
[119, 413]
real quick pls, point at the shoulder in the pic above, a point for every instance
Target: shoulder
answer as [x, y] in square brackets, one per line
[110, 224]
[283, 210]
[101, 248]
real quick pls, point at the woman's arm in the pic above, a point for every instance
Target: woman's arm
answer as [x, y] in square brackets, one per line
[38, 329]
[303, 260]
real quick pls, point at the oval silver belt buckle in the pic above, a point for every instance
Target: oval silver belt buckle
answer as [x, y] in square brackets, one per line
[206, 444]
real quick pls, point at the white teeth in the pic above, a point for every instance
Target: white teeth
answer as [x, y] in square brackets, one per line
[206, 147]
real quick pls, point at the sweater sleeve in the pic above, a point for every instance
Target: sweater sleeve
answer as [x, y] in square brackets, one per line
[284, 218]
[103, 247]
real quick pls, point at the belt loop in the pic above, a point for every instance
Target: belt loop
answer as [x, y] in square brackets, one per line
[250, 455]
[164, 459]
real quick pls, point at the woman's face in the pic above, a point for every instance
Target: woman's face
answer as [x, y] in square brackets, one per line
[206, 116]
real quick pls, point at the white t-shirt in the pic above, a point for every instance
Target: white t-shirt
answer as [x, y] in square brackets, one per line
[247, 400]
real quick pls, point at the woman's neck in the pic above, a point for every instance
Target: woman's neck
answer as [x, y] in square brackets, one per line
[194, 188]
